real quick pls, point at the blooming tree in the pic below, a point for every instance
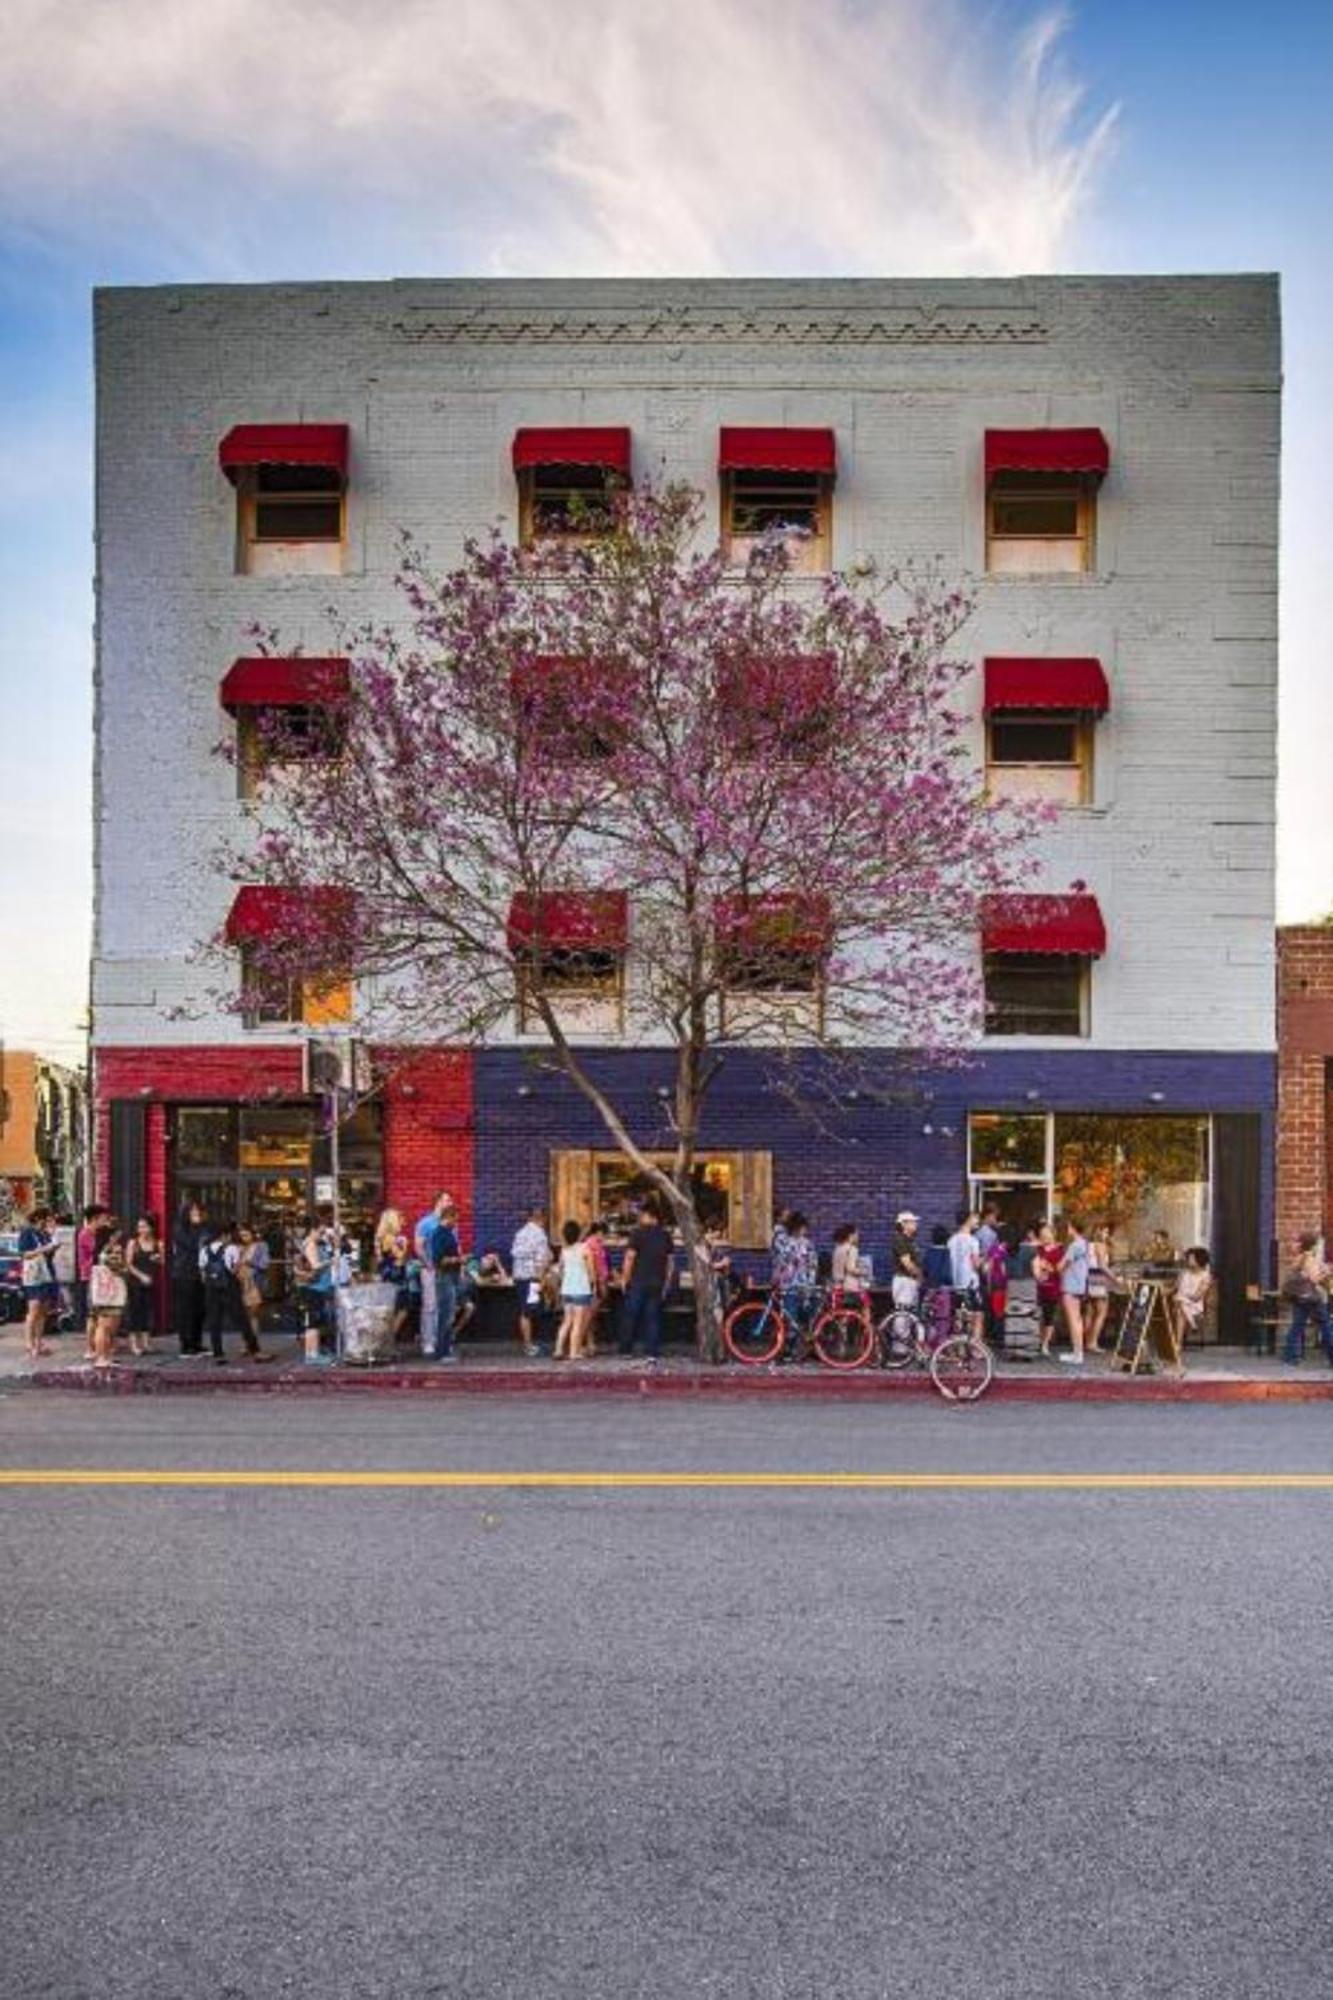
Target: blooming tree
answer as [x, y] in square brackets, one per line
[612, 752]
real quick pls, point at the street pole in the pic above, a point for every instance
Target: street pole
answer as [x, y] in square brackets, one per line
[334, 1121]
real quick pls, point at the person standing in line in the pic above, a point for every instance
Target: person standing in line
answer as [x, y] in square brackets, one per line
[248, 1260]
[1099, 1287]
[845, 1274]
[965, 1267]
[143, 1261]
[995, 1282]
[530, 1259]
[395, 1265]
[64, 1263]
[906, 1273]
[594, 1242]
[85, 1256]
[988, 1229]
[216, 1279]
[423, 1237]
[576, 1294]
[108, 1296]
[446, 1260]
[794, 1276]
[41, 1295]
[645, 1276]
[1305, 1288]
[318, 1258]
[187, 1290]
[1074, 1263]
[1046, 1271]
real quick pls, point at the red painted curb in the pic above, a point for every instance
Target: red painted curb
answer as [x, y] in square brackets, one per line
[709, 1383]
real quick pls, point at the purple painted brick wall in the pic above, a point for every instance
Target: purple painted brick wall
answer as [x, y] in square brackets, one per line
[879, 1158]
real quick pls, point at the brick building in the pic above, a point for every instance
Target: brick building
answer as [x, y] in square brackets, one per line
[1100, 454]
[1305, 1081]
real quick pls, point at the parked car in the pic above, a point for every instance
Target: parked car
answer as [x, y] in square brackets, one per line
[11, 1279]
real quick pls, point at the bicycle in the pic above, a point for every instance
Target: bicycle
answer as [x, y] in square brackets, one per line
[958, 1360]
[841, 1334]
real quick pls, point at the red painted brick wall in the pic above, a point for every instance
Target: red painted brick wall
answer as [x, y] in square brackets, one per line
[1305, 1049]
[429, 1123]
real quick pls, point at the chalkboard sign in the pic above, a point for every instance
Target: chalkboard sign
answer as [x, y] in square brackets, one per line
[1134, 1324]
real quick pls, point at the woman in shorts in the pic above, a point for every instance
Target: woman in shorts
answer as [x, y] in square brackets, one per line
[41, 1294]
[108, 1296]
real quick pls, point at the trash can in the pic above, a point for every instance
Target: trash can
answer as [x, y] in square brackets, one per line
[364, 1317]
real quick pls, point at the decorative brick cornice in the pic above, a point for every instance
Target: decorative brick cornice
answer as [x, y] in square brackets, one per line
[921, 326]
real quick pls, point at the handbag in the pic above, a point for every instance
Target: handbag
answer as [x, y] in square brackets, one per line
[1297, 1289]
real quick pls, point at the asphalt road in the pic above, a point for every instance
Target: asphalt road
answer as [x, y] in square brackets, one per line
[615, 1742]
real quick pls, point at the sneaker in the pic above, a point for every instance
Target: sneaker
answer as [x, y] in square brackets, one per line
[319, 1361]
[1072, 1360]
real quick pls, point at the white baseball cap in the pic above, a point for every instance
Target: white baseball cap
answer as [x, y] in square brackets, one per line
[906, 1215]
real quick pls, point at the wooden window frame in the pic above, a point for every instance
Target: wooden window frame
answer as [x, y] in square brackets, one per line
[1019, 484]
[573, 1188]
[1041, 960]
[529, 477]
[249, 499]
[1085, 736]
[808, 555]
[307, 1001]
[610, 986]
[774, 1004]
[253, 761]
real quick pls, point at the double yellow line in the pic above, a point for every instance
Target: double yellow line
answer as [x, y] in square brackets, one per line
[871, 1482]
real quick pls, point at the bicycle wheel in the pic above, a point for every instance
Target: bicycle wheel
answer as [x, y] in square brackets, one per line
[754, 1332]
[961, 1368]
[899, 1335]
[843, 1338]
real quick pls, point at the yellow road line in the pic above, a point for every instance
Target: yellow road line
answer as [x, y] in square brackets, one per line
[909, 1482]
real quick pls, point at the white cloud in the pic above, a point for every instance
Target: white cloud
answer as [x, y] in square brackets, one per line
[607, 136]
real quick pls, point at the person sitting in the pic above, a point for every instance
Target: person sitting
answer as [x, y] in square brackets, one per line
[1191, 1294]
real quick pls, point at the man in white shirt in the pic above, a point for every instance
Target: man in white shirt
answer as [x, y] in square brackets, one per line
[530, 1257]
[965, 1264]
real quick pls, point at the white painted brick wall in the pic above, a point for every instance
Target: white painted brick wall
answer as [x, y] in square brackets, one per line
[434, 377]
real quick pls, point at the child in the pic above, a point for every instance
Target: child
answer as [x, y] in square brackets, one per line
[576, 1294]
[108, 1296]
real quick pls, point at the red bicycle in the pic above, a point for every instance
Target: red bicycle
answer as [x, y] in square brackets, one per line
[836, 1325]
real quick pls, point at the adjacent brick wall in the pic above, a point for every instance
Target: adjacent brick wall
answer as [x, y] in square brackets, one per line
[429, 1134]
[1305, 1052]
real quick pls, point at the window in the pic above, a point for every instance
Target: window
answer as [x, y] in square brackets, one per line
[1039, 523]
[574, 504]
[290, 519]
[550, 694]
[1036, 993]
[755, 502]
[1008, 1143]
[586, 986]
[267, 739]
[1039, 754]
[277, 999]
[1141, 1177]
[734, 1190]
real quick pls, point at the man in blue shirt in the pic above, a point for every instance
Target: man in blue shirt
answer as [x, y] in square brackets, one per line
[422, 1239]
[446, 1260]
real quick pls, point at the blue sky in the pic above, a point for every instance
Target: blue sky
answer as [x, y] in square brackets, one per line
[147, 142]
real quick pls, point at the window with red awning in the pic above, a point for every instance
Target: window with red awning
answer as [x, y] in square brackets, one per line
[1084, 452]
[285, 683]
[321, 445]
[569, 920]
[1071, 684]
[605, 446]
[775, 448]
[1066, 925]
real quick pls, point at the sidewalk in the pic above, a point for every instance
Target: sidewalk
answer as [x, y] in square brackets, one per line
[1215, 1374]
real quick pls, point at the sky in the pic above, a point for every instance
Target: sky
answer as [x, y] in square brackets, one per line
[230, 140]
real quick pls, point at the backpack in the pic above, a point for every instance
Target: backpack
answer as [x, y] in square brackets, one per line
[215, 1273]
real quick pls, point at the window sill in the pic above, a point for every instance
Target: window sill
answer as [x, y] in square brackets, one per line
[1090, 579]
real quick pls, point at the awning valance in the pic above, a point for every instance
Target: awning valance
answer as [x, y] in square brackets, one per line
[1069, 925]
[284, 444]
[569, 920]
[786, 922]
[285, 683]
[261, 913]
[775, 449]
[607, 447]
[1015, 683]
[1082, 451]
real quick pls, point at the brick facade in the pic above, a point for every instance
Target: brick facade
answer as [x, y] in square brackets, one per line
[1305, 1079]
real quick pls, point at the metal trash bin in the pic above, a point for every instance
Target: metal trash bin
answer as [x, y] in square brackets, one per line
[365, 1316]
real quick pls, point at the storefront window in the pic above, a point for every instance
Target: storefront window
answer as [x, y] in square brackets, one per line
[205, 1137]
[277, 1136]
[1006, 1143]
[1146, 1179]
[619, 1188]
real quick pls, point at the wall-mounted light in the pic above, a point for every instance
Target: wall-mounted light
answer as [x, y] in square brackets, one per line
[1032, 1096]
[663, 1091]
[407, 1090]
[524, 1090]
[145, 1090]
[927, 1131]
[1156, 1097]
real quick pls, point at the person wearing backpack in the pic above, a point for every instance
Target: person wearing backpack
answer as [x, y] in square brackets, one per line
[1305, 1289]
[216, 1278]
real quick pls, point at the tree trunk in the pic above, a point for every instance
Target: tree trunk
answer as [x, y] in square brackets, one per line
[707, 1298]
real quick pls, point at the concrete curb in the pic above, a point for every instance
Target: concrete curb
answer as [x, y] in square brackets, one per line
[701, 1383]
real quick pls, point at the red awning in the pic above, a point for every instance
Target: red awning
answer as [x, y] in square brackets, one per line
[782, 921]
[284, 444]
[1047, 451]
[608, 447]
[570, 920]
[1077, 684]
[260, 912]
[1069, 925]
[291, 683]
[777, 450]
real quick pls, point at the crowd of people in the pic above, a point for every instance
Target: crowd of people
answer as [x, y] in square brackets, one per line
[105, 1279]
